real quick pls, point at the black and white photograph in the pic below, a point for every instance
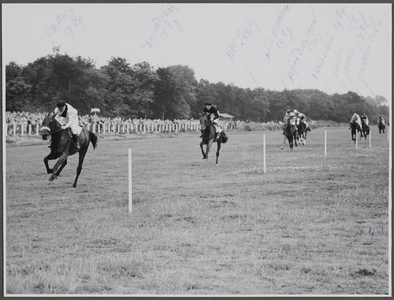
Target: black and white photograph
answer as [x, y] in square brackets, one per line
[197, 149]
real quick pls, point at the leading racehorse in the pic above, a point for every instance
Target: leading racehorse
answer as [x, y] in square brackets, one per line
[291, 134]
[302, 132]
[208, 137]
[354, 126]
[62, 146]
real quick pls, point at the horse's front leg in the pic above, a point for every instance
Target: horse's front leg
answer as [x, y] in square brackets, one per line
[209, 145]
[61, 167]
[290, 143]
[202, 150]
[51, 156]
[60, 162]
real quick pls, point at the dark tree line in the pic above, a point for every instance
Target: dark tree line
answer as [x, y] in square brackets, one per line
[140, 91]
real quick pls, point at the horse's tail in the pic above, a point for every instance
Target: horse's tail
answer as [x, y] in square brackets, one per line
[224, 137]
[93, 139]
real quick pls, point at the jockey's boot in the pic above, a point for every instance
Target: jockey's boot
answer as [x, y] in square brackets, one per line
[75, 140]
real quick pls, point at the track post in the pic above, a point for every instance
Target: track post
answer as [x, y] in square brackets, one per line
[325, 143]
[264, 154]
[388, 136]
[130, 184]
[370, 138]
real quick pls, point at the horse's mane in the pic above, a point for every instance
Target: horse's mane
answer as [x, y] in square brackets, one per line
[55, 136]
[209, 126]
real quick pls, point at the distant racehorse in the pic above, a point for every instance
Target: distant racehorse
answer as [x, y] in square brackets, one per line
[62, 146]
[354, 126]
[302, 132]
[208, 137]
[291, 134]
[381, 127]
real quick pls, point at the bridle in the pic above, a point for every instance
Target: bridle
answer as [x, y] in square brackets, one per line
[204, 120]
[49, 129]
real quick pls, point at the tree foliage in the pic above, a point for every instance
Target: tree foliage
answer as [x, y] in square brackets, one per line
[140, 91]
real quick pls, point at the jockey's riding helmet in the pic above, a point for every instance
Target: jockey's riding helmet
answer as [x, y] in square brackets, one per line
[61, 103]
[295, 111]
[207, 103]
[288, 111]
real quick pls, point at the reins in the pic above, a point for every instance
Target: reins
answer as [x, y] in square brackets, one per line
[50, 133]
[50, 130]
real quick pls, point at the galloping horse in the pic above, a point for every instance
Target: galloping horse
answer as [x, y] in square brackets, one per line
[302, 132]
[62, 146]
[291, 134]
[365, 128]
[381, 126]
[354, 126]
[208, 137]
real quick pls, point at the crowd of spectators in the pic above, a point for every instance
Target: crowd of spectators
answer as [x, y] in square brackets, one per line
[102, 124]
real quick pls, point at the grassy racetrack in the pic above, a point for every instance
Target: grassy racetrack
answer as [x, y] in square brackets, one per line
[310, 225]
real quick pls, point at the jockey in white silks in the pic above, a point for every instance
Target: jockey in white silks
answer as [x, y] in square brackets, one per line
[68, 118]
[365, 119]
[356, 118]
[381, 120]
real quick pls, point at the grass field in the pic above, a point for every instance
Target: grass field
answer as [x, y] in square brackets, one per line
[311, 225]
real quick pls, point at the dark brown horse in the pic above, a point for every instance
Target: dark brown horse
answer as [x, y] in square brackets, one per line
[209, 137]
[291, 134]
[62, 146]
[381, 127]
[365, 128]
[354, 126]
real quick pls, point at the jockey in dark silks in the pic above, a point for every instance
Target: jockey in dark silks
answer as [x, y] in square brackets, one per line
[381, 120]
[214, 115]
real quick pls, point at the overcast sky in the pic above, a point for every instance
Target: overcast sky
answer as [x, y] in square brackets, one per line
[330, 47]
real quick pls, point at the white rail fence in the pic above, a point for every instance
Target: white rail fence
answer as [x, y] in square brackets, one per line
[23, 128]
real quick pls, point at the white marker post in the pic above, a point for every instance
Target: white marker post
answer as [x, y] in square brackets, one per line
[264, 153]
[130, 184]
[356, 140]
[325, 143]
[370, 138]
[388, 136]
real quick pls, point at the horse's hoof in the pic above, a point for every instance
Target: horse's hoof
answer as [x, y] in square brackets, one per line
[50, 171]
